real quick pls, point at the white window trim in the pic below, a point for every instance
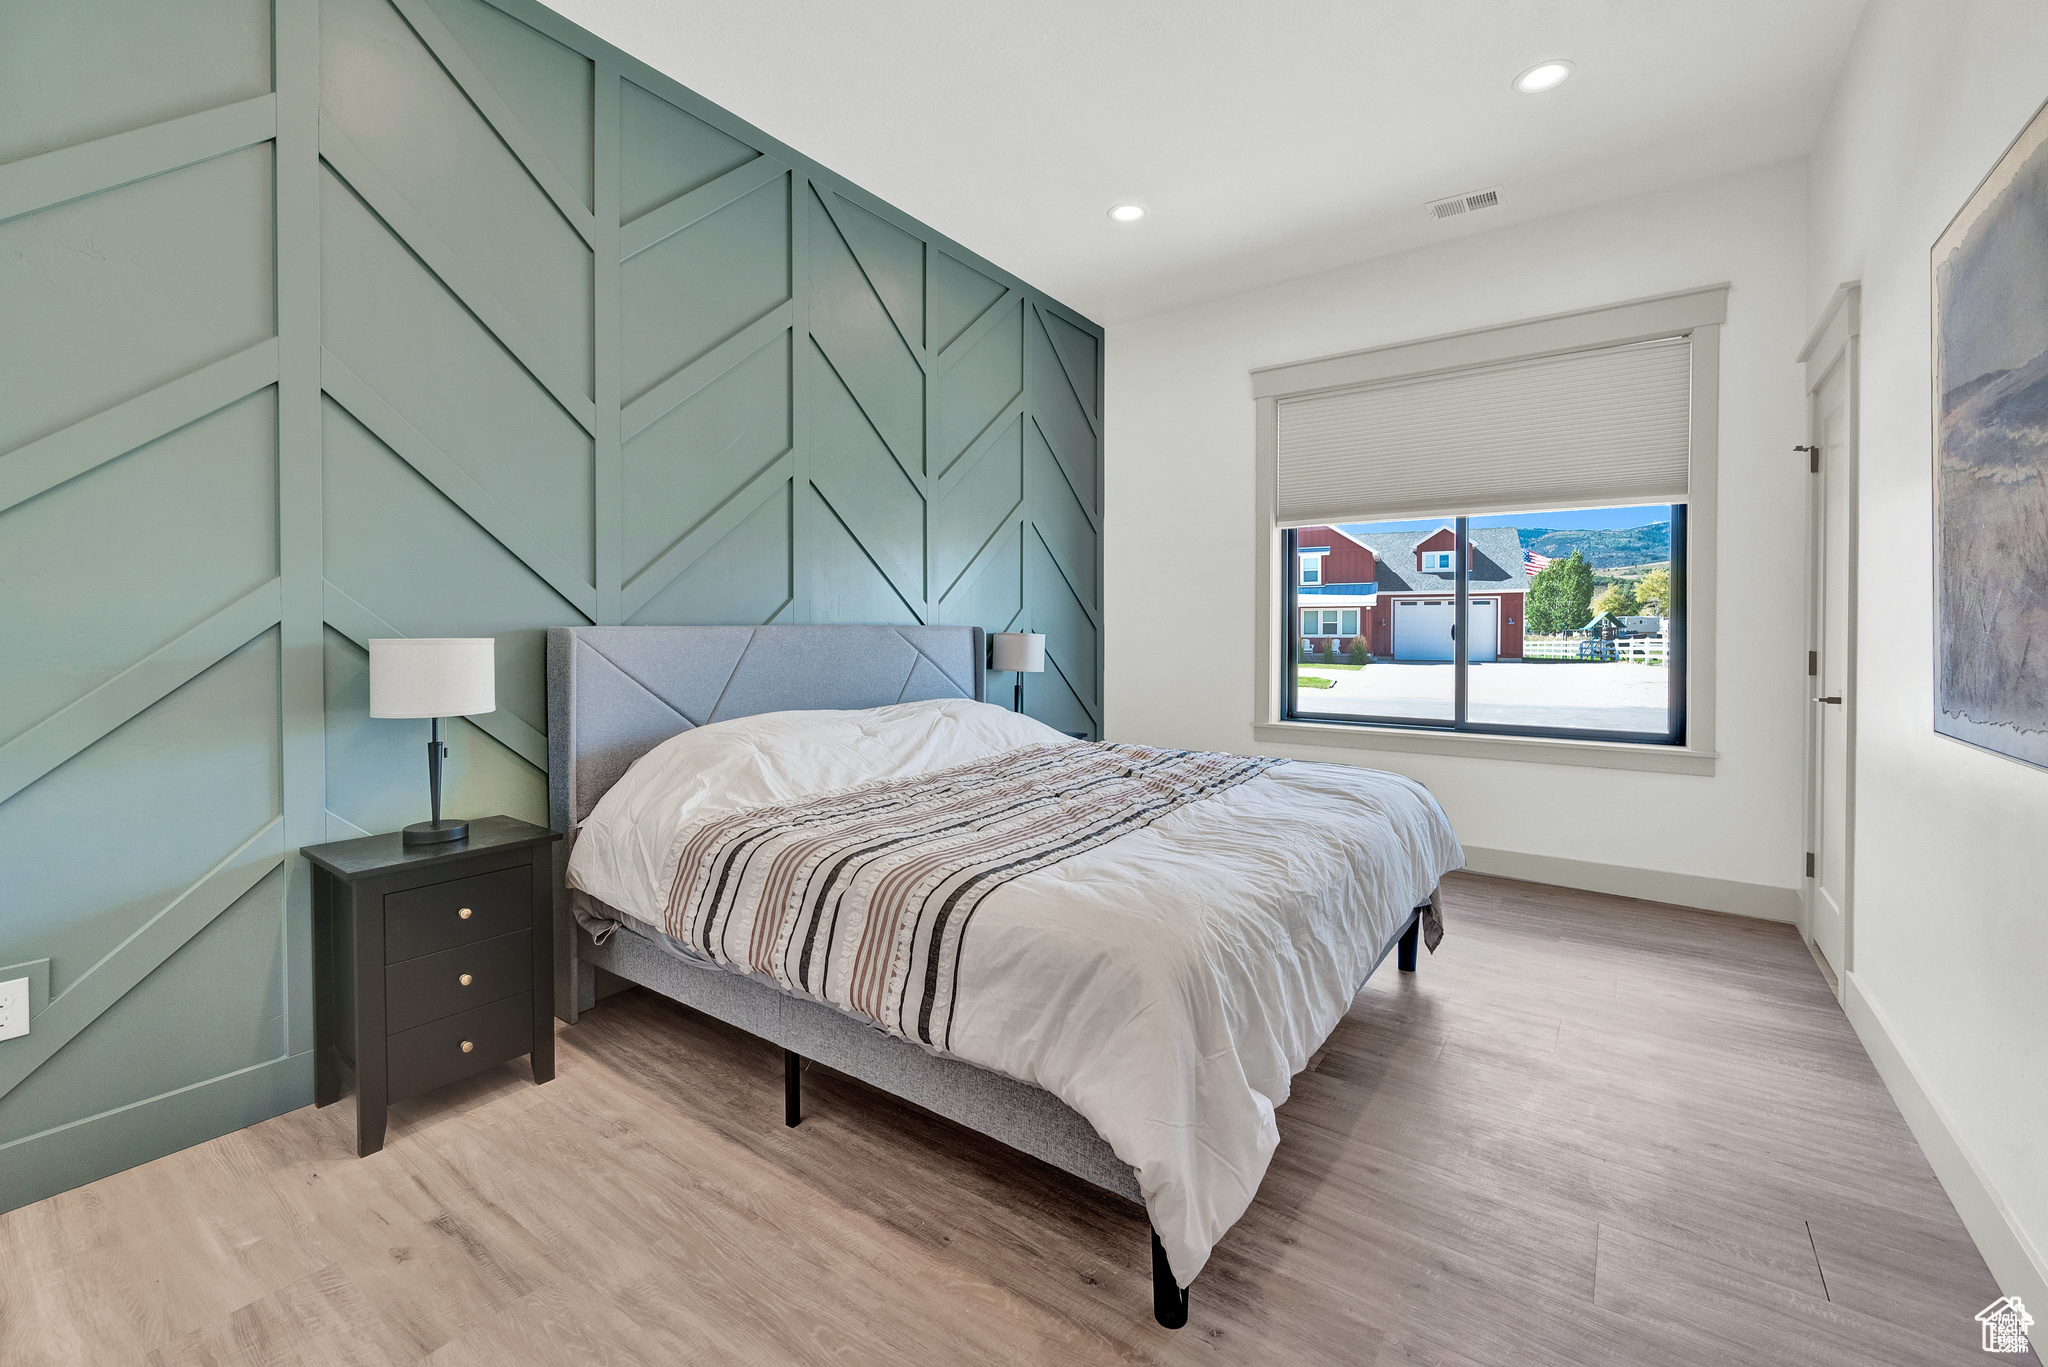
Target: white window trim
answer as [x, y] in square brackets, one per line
[1699, 313]
[1305, 557]
[1357, 626]
[1440, 561]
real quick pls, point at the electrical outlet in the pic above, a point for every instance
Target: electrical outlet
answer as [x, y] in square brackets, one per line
[14, 1008]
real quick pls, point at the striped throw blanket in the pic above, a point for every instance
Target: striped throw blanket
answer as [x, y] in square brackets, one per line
[861, 898]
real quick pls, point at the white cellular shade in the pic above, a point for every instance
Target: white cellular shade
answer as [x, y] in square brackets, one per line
[433, 676]
[1020, 652]
[1584, 429]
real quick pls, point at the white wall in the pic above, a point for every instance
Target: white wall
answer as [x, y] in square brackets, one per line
[1180, 539]
[1951, 919]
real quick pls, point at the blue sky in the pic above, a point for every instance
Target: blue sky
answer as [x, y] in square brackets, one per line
[1577, 520]
[1994, 285]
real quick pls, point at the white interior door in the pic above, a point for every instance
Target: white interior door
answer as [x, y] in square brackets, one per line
[1422, 628]
[1828, 746]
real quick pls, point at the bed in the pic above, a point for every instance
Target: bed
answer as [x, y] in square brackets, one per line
[1111, 958]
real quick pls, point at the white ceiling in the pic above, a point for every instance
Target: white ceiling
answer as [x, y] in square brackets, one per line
[1269, 140]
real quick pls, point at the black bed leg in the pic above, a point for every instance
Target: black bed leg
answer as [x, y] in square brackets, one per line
[1169, 1301]
[792, 1088]
[1408, 941]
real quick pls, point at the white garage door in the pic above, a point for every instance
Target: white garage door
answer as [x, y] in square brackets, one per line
[1485, 626]
[1422, 629]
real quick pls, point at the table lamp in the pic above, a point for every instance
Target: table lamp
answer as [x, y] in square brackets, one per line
[445, 676]
[1017, 652]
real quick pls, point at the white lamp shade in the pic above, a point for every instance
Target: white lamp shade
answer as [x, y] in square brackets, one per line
[1021, 652]
[433, 676]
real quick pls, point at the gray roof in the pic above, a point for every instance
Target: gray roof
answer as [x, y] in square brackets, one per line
[1497, 564]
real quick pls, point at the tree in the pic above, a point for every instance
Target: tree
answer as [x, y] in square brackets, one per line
[1560, 598]
[1360, 653]
[1619, 600]
[1655, 588]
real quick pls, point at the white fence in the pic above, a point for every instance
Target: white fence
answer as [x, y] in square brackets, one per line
[1643, 650]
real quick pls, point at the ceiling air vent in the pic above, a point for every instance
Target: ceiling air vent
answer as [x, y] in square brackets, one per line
[1464, 204]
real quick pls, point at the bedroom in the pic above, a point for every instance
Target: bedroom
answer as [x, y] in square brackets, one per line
[735, 329]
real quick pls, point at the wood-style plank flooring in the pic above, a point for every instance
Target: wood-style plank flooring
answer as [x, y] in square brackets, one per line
[1589, 1130]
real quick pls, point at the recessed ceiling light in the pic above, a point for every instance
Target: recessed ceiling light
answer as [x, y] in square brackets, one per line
[1127, 213]
[1543, 76]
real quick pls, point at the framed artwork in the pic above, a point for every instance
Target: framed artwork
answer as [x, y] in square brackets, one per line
[1990, 278]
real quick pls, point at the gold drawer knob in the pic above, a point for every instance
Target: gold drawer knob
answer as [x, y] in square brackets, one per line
[467, 1046]
[464, 913]
[464, 980]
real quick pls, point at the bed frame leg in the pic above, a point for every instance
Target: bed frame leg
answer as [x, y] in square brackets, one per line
[1169, 1300]
[792, 1088]
[1408, 942]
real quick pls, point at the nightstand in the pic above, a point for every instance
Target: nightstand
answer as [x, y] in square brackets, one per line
[430, 963]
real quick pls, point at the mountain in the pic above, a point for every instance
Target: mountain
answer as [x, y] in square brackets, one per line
[1969, 389]
[1605, 547]
[1999, 422]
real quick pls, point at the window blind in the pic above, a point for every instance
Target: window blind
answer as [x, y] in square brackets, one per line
[1584, 429]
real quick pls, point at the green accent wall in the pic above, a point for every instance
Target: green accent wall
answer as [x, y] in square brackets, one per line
[330, 319]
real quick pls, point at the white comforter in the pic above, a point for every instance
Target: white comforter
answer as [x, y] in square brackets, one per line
[1167, 985]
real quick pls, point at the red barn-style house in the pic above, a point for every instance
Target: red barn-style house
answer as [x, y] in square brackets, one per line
[1397, 589]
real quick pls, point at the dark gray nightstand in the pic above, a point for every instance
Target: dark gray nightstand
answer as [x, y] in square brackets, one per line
[430, 962]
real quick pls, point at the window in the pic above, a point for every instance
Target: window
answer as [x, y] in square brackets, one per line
[1548, 633]
[1465, 468]
[1312, 567]
[1329, 622]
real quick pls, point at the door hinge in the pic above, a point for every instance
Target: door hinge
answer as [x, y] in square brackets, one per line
[1809, 863]
[1813, 458]
[1813, 664]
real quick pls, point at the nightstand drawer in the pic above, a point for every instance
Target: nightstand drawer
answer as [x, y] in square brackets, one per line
[436, 985]
[460, 912]
[427, 1056]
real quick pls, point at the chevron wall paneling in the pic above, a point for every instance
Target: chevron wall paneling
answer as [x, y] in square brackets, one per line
[324, 320]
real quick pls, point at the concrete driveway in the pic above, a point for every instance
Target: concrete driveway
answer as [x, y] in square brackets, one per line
[1551, 693]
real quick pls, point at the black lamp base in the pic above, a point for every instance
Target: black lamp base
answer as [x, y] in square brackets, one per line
[436, 832]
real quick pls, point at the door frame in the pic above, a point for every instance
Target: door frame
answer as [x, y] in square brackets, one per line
[1835, 345]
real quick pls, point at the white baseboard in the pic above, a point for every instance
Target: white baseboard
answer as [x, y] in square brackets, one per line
[2015, 1263]
[1758, 900]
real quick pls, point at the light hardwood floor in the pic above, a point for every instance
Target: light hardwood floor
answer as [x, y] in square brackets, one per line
[1588, 1131]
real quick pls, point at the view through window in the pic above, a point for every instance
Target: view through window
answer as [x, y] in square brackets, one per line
[1574, 623]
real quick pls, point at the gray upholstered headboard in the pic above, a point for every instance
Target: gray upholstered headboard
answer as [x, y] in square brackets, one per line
[614, 693]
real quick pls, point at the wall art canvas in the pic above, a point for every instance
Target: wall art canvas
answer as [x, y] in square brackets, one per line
[1991, 460]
